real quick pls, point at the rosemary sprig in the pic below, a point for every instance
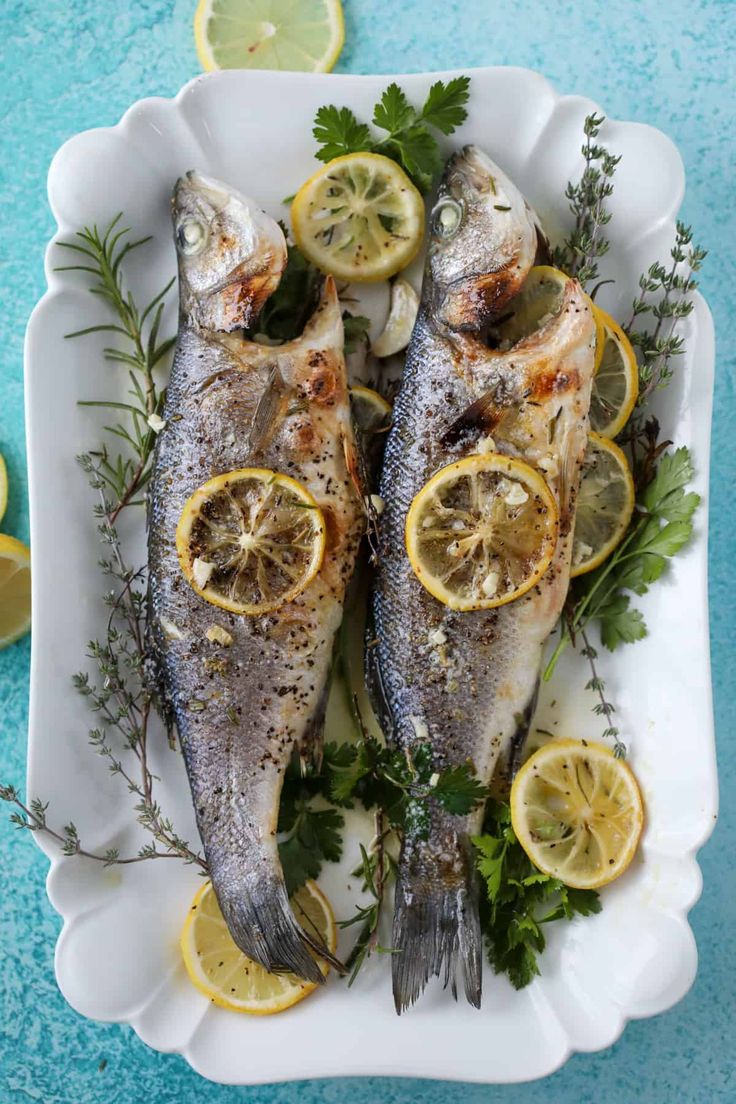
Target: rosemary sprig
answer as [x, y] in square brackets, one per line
[101, 257]
[586, 244]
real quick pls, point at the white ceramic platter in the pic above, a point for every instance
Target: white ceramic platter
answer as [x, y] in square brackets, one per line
[117, 957]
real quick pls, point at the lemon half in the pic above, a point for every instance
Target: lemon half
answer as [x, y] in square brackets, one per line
[15, 590]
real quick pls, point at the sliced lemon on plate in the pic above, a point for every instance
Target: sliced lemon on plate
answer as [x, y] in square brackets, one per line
[577, 812]
[15, 590]
[250, 540]
[221, 971]
[3, 486]
[616, 383]
[482, 531]
[539, 300]
[300, 35]
[604, 506]
[359, 217]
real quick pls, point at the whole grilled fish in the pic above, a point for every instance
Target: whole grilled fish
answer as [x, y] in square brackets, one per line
[231, 403]
[466, 683]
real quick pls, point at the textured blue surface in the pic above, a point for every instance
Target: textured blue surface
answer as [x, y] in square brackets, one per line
[72, 66]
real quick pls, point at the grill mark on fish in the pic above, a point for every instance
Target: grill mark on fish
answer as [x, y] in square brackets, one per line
[256, 701]
[454, 388]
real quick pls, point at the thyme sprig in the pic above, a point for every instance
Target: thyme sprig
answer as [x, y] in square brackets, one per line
[140, 350]
[377, 868]
[666, 296]
[586, 244]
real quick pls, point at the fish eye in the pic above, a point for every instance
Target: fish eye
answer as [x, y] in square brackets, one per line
[446, 217]
[191, 236]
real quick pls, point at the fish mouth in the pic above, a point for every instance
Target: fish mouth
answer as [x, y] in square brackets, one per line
[214, 193]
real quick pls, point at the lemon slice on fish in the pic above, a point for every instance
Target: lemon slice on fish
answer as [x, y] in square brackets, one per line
[539, 300]
[371, 412]
[616, 383]
[482, 531]
[229, 978]
[577, 811]
[359, 217]
[15, 590]
[604, 506]
[301, 35]
[250, 540]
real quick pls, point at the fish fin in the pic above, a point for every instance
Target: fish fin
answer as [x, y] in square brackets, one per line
[481, 416]
[261, 922]
[436, 926]
[267, 409]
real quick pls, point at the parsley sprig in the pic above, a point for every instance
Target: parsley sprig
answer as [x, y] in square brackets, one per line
[409, 140]
[519, 899]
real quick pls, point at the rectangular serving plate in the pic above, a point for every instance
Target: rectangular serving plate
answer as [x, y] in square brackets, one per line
[117, 957]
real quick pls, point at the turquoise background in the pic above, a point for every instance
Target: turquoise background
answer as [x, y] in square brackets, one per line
[72, 65]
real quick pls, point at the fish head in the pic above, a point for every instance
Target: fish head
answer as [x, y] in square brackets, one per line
[230, 253]
[483, 241]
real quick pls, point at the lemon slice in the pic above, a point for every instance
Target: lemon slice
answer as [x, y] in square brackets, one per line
[3, 486]
[250, 540]
[577, 812]
[301, 35]
[604, 506]
[359, 217]
[229, 978]
[400, 322]
[616, 384]
[482, 531]
[15, 590]
[372, 413]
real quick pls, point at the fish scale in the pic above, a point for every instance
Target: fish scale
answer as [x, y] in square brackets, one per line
[242, 709]
[466, 682]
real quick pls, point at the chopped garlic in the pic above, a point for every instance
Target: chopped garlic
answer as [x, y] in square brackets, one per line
[489, 586]
[458, 525]
[377, 503]
[420, 728]
[550, 465]
[427, 522]
[516, 495]
[217, 635]
[201, 571]
[155, 422]
[582, 552]
[485, 444]
[453, 549]
[437, 636]
[434, 779]
[171, 631]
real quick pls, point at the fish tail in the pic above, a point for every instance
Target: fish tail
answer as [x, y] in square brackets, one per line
[262, 924]
[436, 928]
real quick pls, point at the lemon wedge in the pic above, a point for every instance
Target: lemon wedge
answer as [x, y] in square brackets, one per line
[604, 506]
[482, 531]
[359, 217]
[301, 35]
[577, 812]
[250, 540]
[15, 590]
[221, 971]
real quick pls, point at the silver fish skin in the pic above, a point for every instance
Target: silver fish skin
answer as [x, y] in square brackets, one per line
[466, 683]
[232, 403]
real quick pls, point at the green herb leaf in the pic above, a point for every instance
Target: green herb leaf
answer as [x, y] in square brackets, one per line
[445, 107]
[394, 112]
[338, 132]
[458, 790]
[356, 328]
[619, 623]
[286, 312]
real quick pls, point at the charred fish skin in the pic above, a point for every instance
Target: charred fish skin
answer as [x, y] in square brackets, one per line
[466, 682]
[231, 403]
